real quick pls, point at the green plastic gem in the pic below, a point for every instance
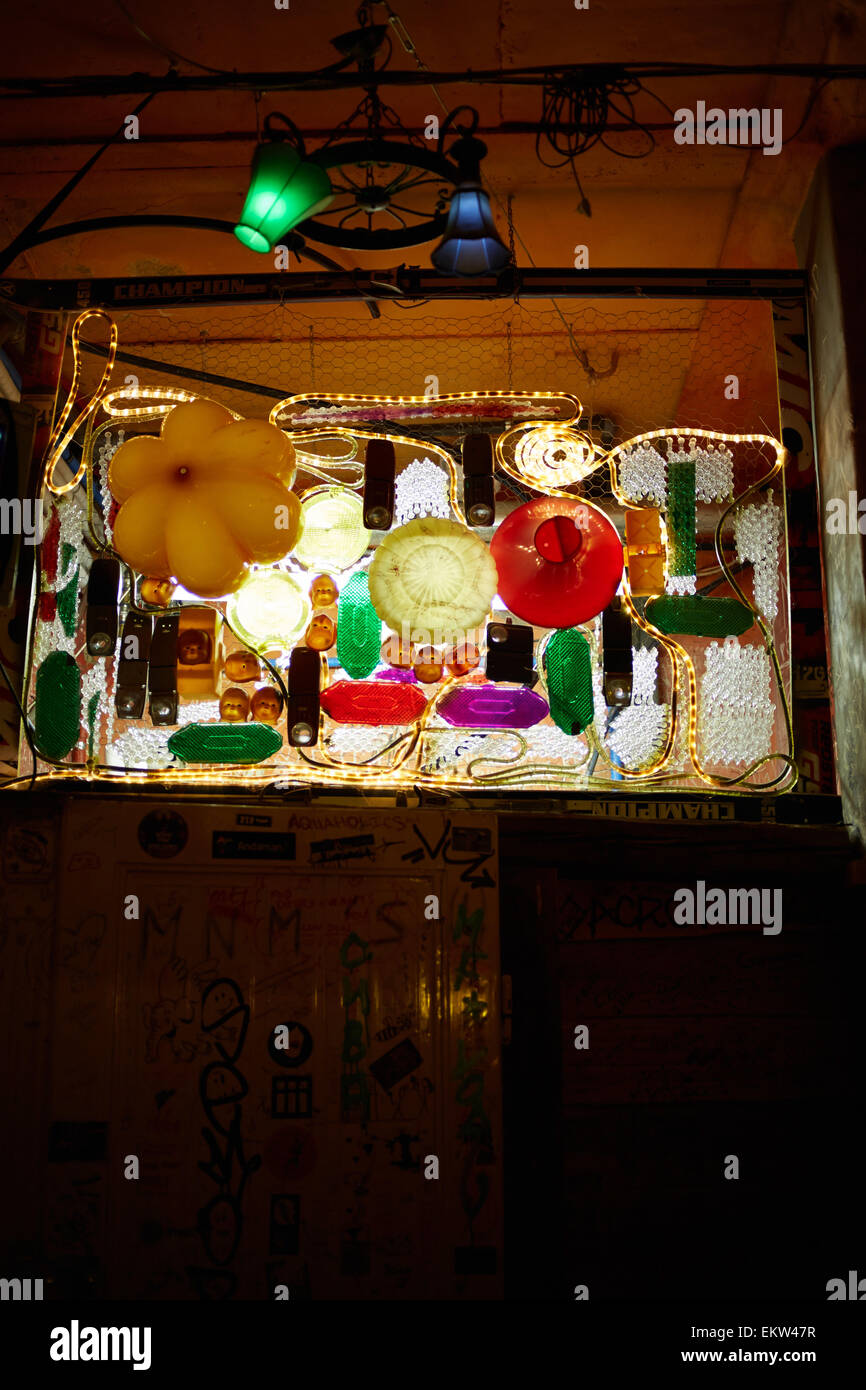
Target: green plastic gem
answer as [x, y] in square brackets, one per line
[568, 664]
[359, 628]
[224, 743]
[681, 520]
[92, 711]
[693, 615]
[58, 705]
[67, 605]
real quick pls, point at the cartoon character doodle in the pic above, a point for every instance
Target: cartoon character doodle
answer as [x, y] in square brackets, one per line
[79, 947]
[174, 1012]
[412, 1098]
[222, 1090]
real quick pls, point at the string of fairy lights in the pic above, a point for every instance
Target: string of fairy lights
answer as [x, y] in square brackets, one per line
[550, 456]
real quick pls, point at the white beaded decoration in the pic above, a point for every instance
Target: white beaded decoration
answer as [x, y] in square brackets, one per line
[643, 471]
[447, 751]
[453, 752]
[108, 447]
[198, 712]
[642, 474]
[714, 472]
[422, 489]
[758, 531]
[547, 743]
[736, 714]
[638, 731]
[140, 747]
[355, 742]
[681, 584]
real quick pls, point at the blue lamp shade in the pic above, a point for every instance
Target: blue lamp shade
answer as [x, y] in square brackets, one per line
[471, 244]
[284, 190]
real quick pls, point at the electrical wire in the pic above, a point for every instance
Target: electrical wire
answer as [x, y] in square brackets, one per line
[28, 732]
[810, 106]
[165, 50]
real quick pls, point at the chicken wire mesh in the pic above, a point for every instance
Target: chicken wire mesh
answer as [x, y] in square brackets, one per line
[634, 366]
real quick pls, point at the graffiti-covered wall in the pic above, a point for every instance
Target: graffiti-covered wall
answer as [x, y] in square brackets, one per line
[266, 1050]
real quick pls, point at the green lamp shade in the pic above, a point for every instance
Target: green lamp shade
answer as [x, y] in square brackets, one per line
[58, 705]
[359, 628]
[569, 681]
[694, 615]
[284, 189]
[224, 743]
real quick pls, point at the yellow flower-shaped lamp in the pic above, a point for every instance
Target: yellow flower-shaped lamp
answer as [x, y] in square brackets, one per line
[434, 579]
[333, 534]
[270, 611]
[205, 499]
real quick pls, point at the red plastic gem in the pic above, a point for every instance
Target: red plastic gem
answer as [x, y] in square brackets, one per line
[47, 607]
[560, 561]
[373, 702]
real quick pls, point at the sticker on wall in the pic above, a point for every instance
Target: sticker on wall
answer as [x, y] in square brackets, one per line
[290, 1044]
[163, 834]
[393, 1066]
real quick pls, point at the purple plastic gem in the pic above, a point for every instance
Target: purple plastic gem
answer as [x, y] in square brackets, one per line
[393, 674]
[491, 707]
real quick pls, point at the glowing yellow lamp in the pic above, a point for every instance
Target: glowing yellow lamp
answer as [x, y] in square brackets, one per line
[204, 500]
[270, 611]
[333, 534]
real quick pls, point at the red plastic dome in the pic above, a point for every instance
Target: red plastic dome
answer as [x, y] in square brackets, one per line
[560, 561]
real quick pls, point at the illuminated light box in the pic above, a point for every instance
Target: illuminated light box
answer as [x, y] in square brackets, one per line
[685, 531]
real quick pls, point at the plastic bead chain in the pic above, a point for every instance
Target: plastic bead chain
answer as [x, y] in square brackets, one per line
[108, 447]
[758, 531]
[422, 489]
[735, 723]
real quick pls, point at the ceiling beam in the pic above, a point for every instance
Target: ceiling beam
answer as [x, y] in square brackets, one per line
[401, 283]
[47, 88]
